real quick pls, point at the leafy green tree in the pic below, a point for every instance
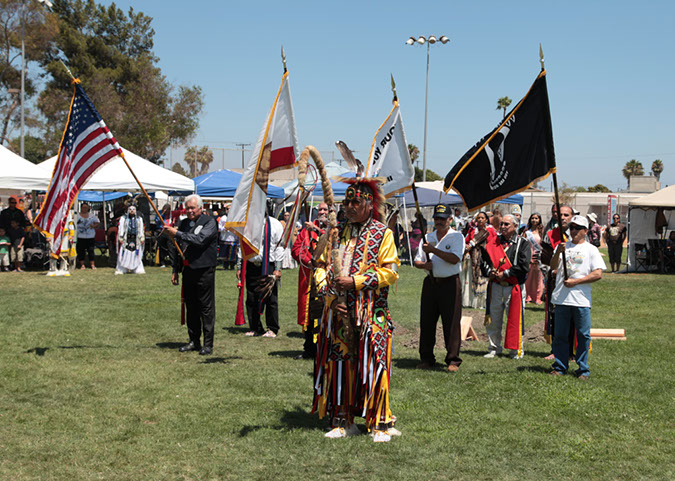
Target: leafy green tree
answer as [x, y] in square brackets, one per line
[35, 149]
[598, 188]
[657, 169]
[40, 30]
[177, 168]
[431, 175]
[632, 167]
[414, 152]
[503, 104]
[198, 160]
[111, 53]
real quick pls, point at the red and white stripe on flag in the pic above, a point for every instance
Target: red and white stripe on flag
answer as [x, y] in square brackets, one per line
[86, 146]
[275, 149]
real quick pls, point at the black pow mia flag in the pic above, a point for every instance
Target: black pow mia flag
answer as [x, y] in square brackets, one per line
[510, 158]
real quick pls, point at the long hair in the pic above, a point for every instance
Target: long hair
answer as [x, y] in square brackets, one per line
[540, 227]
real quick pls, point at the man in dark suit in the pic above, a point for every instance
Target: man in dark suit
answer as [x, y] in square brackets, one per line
[198, 239]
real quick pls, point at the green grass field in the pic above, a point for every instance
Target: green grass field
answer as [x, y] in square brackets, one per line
[92, 387]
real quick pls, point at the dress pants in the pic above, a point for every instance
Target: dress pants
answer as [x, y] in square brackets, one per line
[441, 297]
[500, 301]
[200, 303]
[253, 277]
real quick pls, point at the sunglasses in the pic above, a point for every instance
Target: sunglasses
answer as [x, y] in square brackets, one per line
[576, 227]
[505, 224]
[354, 202]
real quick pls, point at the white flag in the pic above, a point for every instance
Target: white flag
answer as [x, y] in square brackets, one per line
[276, 149]
[389, 155]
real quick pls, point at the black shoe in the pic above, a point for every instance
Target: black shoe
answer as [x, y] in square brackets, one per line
[190, 346]
[205, 351]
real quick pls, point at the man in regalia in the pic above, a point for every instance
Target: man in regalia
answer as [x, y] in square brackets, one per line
[506, 264]
[130, 243]
[310, 305]
[355, 338]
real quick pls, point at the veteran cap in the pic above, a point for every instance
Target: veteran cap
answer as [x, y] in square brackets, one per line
[441, 211]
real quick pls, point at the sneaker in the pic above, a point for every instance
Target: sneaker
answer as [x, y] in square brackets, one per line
[515, 355]
[381, 437]
[51, 273]
[250, 334]
[392, 431]
[341, 432]
[490, 355]
[335, 433]
[550, 357]
[269, 334]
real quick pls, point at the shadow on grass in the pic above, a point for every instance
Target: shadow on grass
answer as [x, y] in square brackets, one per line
[406, 363]
[541, 369]
[236, 329]
[295, 419]
[472, 352]
[291, 354]
[219, 360]
[296, 334]
[39, 351]
[170, 345]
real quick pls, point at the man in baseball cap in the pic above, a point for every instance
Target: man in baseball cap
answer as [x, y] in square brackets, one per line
[572, 296]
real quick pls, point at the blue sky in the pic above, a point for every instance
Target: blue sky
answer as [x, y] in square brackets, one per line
[610, 73]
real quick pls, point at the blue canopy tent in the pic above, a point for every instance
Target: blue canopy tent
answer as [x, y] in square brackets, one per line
[224, 183]
[100, 196]
[430, 197]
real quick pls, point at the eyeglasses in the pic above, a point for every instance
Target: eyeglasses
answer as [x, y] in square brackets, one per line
[505, 224]
[576, 227]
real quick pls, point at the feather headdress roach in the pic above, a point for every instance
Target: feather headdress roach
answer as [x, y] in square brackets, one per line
[372, 185]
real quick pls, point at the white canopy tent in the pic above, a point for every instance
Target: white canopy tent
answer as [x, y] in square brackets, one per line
[17, 173]
[642, 214]
[116, 176]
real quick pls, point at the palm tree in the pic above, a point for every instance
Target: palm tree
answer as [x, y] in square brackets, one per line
[414, 152]
[632, 167]
[503, 104]
[657, 168]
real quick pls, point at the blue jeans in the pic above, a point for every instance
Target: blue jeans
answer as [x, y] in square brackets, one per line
[581, 317]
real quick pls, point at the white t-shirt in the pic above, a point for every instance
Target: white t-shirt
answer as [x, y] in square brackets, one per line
[84, 227]
[452, 243]
[581, 259]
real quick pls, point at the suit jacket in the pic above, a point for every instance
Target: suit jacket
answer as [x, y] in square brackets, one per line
[199, 241]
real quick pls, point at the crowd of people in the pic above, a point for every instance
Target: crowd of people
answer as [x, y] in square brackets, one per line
[347, 262]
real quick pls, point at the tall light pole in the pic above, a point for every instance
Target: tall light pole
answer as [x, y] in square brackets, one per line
[23, 62]
[430, 41]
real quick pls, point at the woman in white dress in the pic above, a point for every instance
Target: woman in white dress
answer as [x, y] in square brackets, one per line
[130, 243]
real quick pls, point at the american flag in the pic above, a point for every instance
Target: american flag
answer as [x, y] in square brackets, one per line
[87, 144]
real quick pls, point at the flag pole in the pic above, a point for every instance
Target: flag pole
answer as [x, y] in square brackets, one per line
[414, 189]
[549, 141]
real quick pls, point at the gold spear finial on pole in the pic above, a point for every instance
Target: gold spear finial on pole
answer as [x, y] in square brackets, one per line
[541, 56]
[283, 58]
[67, 70]
[393, 88]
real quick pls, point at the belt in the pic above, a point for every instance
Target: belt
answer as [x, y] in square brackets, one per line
[443, 279]
[504, 284]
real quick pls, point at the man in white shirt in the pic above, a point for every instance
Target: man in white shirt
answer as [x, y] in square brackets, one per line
[256, 274]
[440, 254]
[572, 296]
